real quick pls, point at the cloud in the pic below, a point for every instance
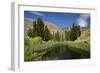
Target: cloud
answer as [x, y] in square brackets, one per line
[82, 20]
[37, 13]
[85, 16]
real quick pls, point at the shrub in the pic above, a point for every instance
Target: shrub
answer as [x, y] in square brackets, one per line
[36, 40]
[27, 41]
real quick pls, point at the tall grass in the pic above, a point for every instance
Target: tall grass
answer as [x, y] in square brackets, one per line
[57, 50]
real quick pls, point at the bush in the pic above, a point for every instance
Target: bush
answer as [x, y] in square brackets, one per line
[27, 41]
[36, 40]
[29, 45]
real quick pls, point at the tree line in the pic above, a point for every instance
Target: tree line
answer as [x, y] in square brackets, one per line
[40, 29]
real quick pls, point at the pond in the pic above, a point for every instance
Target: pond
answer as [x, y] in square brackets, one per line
[62, 52]
[56, 51]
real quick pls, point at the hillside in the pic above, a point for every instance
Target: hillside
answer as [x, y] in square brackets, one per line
[85, 35]
[27, 24]
[52, 27]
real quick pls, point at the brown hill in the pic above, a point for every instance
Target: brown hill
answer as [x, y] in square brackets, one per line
[52, 27]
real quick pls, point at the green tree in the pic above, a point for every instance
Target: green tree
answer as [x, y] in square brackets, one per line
[38, 27]
[67, 35]
[75, 32]
[47, 34]
[57, 36]
[62, 37]
[78, 30]
[30, 33]
[35, 28]
[53, 36]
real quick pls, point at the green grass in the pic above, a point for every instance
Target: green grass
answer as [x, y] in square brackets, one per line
[37, 51]
[82, 45]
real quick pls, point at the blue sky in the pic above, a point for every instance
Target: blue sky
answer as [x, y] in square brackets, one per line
[60, 19]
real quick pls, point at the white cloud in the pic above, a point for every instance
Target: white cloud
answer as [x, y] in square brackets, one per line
[37, 13]
[82, 20]
[85, 16]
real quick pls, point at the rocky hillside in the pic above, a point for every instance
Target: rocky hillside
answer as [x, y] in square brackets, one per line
[85, 35]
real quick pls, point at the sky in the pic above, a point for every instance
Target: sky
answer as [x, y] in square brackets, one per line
[60, 19]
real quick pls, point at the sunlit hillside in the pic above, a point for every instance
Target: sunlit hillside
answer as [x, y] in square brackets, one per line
[85, 35]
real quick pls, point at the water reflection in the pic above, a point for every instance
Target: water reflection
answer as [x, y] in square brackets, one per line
[61, 52]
